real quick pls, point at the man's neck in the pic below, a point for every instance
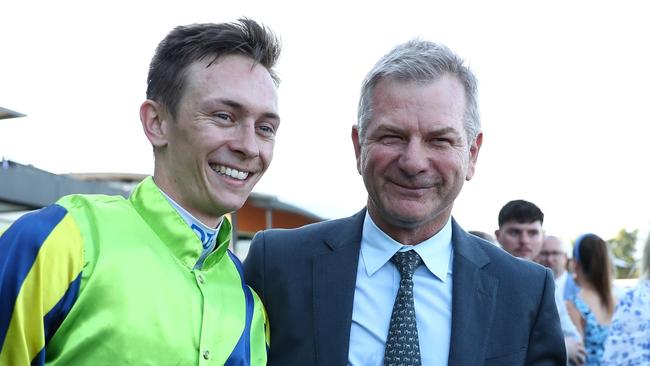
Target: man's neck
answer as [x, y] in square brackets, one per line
[409, 233]
[181, 207]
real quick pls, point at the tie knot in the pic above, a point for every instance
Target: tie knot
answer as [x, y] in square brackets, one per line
[406, 262]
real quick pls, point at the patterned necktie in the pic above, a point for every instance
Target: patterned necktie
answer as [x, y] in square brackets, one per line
[403, 345]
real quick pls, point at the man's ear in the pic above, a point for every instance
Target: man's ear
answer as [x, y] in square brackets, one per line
[474, 148]
[152, 119]
[357, 146]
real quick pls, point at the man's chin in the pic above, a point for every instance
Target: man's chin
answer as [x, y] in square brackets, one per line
[415, 213]
[232, 204]
[409, 219]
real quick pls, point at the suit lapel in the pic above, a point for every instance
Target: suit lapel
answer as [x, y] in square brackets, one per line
[473, 302]
[334, 274]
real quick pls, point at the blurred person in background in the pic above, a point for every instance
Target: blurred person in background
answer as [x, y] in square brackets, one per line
[554, 256]
[483, 235]
[520, 230]
[592, 308]
[521, 234]
[628, 342]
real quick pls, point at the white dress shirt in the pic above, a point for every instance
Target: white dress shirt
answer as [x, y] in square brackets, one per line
[376, 289]
[568, 328]
[560, 284]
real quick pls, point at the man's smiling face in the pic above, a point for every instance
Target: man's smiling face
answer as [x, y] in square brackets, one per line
[221, 141]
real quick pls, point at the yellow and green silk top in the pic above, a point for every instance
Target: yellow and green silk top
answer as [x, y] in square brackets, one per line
[101, 280]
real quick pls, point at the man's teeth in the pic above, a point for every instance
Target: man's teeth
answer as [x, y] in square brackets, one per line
[234, 173]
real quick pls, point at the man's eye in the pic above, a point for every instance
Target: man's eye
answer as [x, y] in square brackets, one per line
[441, 141]
[266, 130]
[390, 139]
[224, 116]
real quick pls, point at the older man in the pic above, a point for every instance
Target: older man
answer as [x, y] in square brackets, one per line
[401, 283]
[521, 234]
[554, 256]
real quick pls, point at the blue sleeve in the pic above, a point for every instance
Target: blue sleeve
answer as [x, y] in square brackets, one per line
[41, 258]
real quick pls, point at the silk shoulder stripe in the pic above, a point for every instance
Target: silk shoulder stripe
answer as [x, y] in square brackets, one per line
[39, 360]
[19, 246]
[57, 266]
[54, 317]
[58, 263]
[241, 354]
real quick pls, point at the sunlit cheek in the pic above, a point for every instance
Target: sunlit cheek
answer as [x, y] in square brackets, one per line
[464, 161]
[387, 153]
[450, 159]
[364, 158]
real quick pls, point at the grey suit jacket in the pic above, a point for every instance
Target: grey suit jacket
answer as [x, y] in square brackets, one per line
[503, 308]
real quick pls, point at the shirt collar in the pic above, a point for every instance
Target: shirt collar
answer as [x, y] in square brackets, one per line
[172, 229]
[377, 248]
[206, 234]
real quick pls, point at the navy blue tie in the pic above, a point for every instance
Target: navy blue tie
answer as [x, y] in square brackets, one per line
[403, 345]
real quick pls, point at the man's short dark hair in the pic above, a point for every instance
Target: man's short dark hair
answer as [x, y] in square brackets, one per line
[520, 211]
[196, 42]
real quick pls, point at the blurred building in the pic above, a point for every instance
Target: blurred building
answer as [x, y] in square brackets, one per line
[24, 188]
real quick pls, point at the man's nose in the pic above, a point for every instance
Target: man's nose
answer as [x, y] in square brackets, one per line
[245, 140]
[414, 158]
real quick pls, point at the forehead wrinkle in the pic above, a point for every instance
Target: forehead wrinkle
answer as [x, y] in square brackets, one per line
[444, 131]
[398, 103]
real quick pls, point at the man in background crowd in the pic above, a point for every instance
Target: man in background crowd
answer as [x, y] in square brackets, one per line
[520, 233]
[483, 235]
[554, 256]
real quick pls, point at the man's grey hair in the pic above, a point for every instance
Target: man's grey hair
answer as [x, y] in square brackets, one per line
[564, 246]
[422, 62]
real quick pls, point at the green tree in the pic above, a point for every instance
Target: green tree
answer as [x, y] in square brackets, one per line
[623, 249]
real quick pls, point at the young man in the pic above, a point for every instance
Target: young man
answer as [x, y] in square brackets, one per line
[98, 280]
[401, 283]
[520, 230]
[520, 233]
